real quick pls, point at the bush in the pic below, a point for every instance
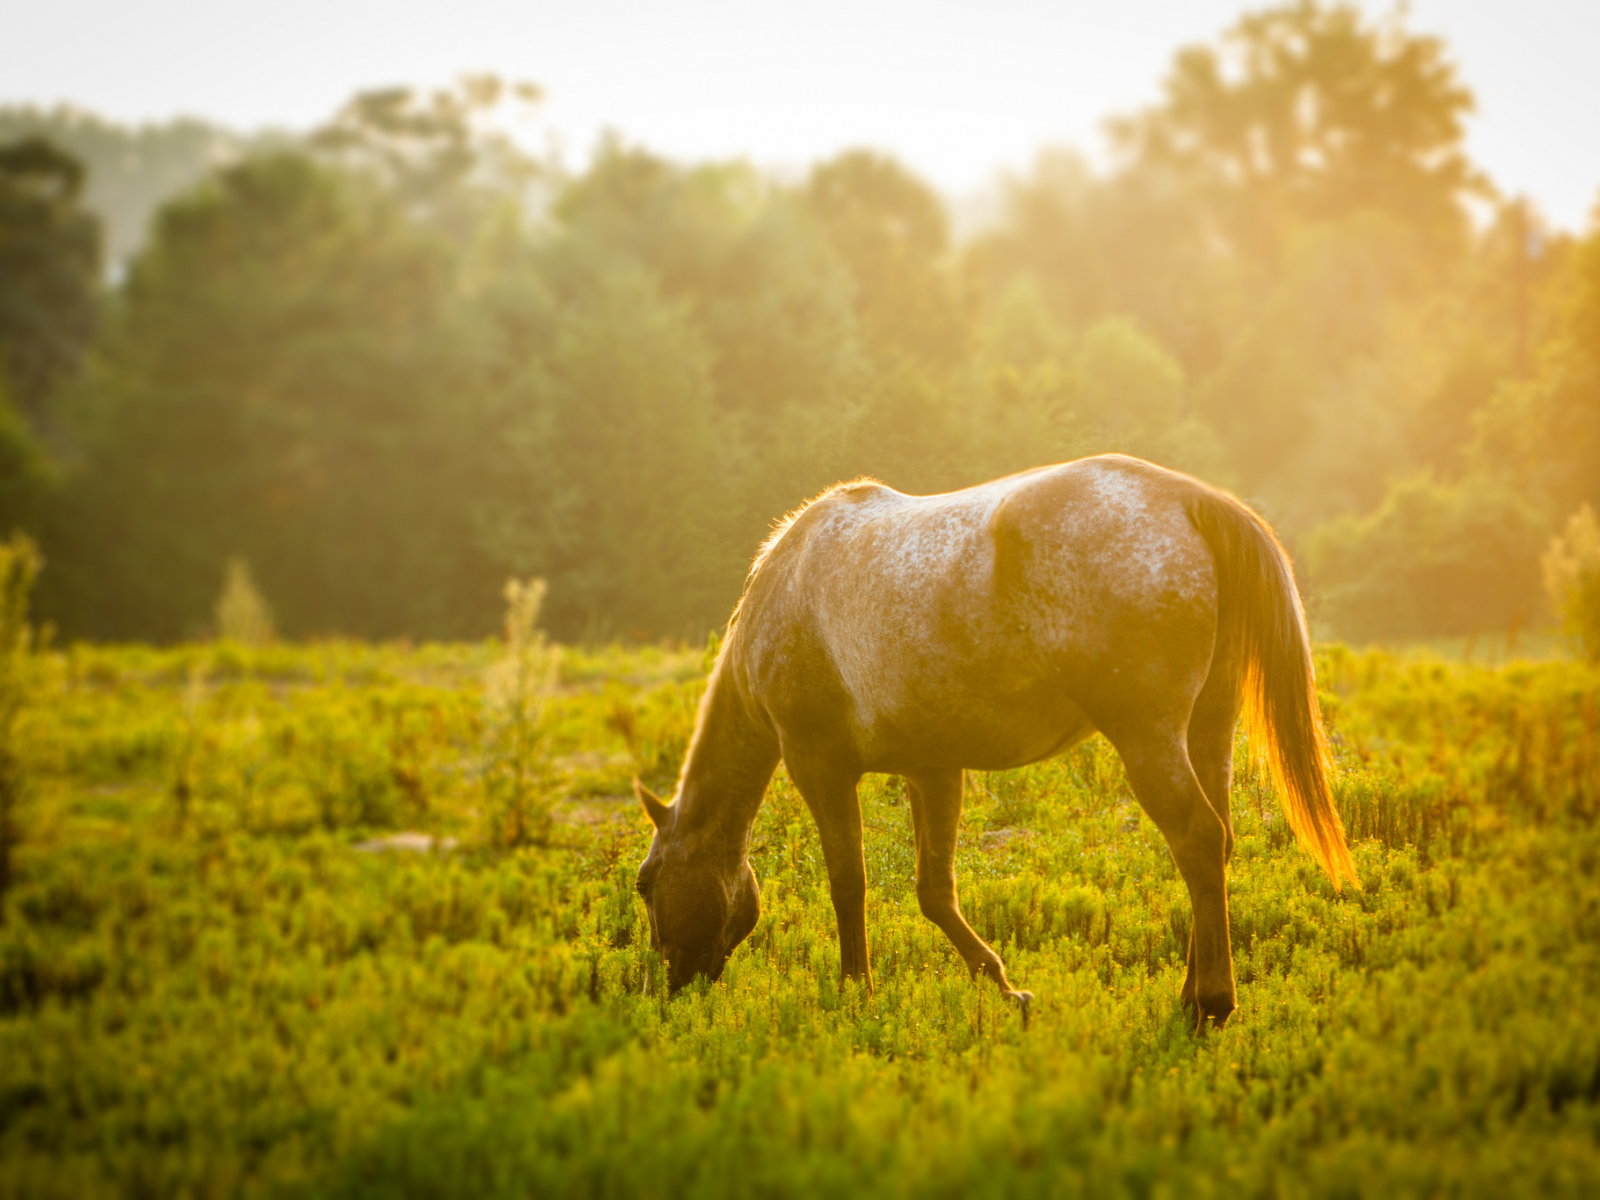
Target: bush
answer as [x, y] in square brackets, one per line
[1434, 560]
[1572, 580]
[19, 565]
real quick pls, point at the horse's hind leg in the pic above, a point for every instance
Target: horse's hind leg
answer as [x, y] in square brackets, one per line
[1167, 788]
[936, 815]
[1211, 730]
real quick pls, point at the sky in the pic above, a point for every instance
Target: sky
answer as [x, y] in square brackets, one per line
[960, 90]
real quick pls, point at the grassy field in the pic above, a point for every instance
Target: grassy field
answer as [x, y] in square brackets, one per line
[217, 978]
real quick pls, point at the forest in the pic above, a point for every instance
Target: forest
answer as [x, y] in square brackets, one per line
[384, 366]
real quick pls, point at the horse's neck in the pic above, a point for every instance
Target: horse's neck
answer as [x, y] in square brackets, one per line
[730, 761]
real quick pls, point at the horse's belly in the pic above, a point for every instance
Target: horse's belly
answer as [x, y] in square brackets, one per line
[976, 732]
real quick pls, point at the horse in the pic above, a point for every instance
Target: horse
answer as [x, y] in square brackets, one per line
[987, 629]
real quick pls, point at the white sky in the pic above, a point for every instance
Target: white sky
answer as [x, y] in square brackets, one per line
[958, 89]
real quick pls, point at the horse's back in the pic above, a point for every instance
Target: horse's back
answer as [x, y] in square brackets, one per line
[1093, 548]
[975, 619]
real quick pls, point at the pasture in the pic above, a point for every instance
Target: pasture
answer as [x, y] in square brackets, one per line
[222, 974]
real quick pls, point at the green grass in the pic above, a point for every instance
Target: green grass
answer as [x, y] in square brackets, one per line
[205, 989]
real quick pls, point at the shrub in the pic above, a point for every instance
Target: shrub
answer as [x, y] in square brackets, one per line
[1432, 560]
[1572, 580]
[19, 566]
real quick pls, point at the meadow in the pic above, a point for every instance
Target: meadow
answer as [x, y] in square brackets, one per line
[222, 973]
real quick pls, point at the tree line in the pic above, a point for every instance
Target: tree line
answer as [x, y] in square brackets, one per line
[394, 362]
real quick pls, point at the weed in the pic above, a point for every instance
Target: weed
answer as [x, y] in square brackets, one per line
[241, 615]
[517, 692]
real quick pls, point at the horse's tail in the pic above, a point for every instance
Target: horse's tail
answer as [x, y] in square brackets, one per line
[1261, 634]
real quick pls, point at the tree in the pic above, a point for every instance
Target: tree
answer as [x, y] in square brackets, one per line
[890, 230]
[605, 477]
[763, 289]
[445, 156]
[1308, 113]
[134, 169]
[26, 477]
[1542, 434]
[760, 280]
[49, 272]
[281, 382]
[1132, 245]
[1432, 560]
[1314, 391]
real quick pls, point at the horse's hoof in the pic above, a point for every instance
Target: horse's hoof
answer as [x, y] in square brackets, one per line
[1024, 1002]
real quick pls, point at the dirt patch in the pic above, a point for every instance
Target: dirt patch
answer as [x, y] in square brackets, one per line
[995, 840]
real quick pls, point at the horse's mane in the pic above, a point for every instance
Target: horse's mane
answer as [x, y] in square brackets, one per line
[781, 527]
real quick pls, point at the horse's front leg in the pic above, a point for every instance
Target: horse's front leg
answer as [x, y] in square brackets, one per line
[936, 814]
[830, 793]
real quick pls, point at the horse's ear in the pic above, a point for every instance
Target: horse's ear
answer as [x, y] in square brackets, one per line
[659, 812]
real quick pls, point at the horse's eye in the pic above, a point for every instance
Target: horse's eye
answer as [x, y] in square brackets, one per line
[638, 886]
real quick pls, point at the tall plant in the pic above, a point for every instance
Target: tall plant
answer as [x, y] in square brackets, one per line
[517, 693]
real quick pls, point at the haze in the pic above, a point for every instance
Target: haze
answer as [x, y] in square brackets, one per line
[959, 91]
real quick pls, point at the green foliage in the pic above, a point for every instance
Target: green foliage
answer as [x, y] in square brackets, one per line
[608, 482]
[891, 231]
[133, 170]
[1307, 111]
[49, 272]
[27, 480]
[249, 1003]
[443, 155]
[1434, 558]
[1129, 381]
[1053, 396]
[764, 303]
[405, 360]
[1301, 399]
[1133, 245]
[268, 387]
[1542, 433]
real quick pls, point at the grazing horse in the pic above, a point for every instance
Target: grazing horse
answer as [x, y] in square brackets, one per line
[987, 629]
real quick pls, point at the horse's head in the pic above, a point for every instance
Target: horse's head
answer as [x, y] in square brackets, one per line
[701, 905]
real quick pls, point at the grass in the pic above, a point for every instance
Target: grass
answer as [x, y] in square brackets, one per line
[207, 989]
